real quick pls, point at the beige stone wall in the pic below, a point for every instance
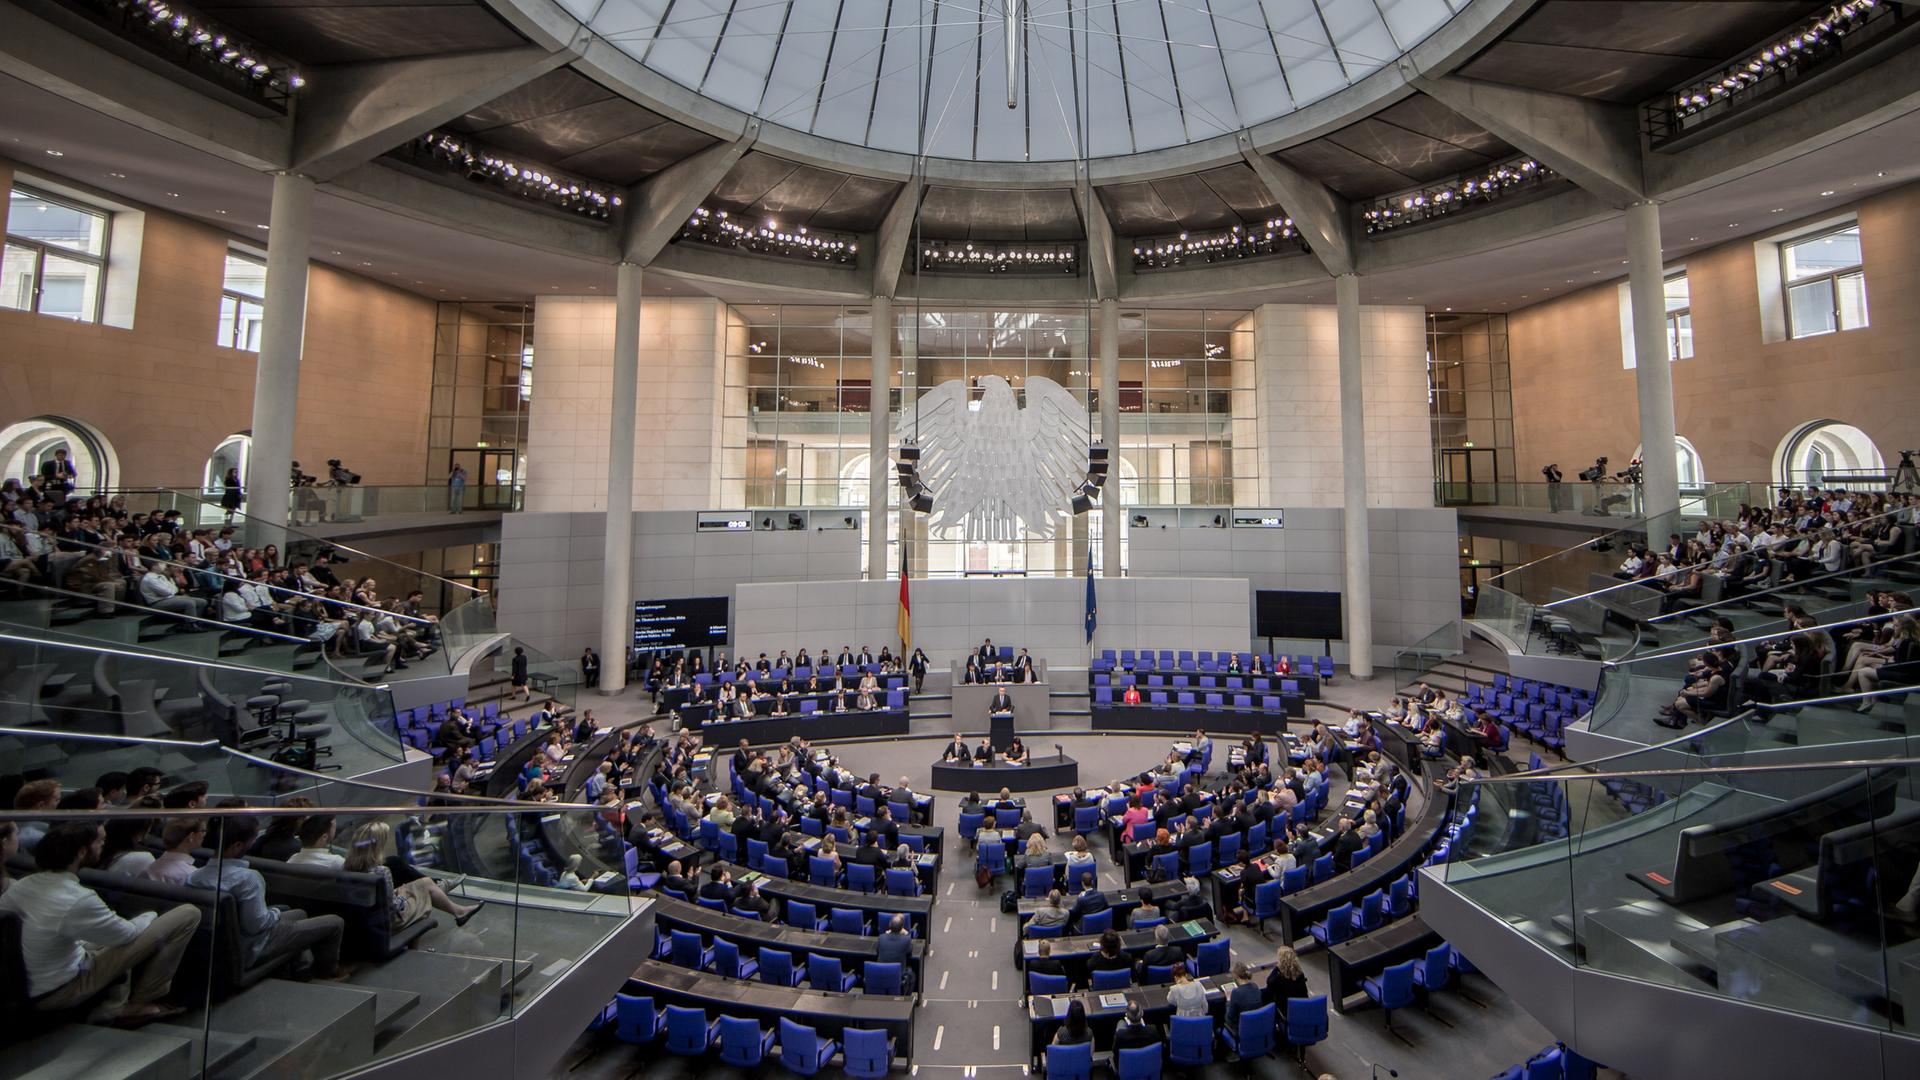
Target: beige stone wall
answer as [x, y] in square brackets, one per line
[165, 395]
[1738, 396]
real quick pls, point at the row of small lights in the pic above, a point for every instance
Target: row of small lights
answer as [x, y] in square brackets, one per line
[1440, 199]
[717, 227]
[211, 41]
[1792, 50]
[1275, 236]
[971, 258]
[528, 181]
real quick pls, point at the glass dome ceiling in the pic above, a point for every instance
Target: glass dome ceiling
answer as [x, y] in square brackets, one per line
[1148, 74]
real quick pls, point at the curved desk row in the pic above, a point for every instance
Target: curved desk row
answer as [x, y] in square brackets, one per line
[1298, 910]
[767, 730]
[878, 906]
[1106, 1007]
[1075, 951]
[1179, 678]
[1185, 718]
[851, 950]
[825, 1011]
[1050, 773]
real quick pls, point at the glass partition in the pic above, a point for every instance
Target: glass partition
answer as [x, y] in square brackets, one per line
[1412, 663]
[1783, 883]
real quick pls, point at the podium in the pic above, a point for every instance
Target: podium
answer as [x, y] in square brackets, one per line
[1000, 729]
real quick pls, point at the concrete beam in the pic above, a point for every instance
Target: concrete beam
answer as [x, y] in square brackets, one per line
[1595, 145]
[353, 113]
[890, 244]
[657, 208]
[471, 209]
[1324, 219]
[1103, 259]
[55, 59]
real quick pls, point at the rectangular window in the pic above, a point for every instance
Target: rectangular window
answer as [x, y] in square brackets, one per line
[243, 292]
[1679, 318]
[55, 261]
[1826, 287]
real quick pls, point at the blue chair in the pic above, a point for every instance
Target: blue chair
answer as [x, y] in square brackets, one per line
[742, 1043]
[636, 1021]
[1335, 928]
[867, 1053]
[1158, 975]
[1007, 817]
[756, 854]
[1400, 897]
[822, 870]
[1435, 970]
[776, 968]
[879, 978]
[1372, 911]
[823, 973]
[774, 868]
[1295, 879]
[902, 882]
[993, 857]
[709, 833]
[1200, 859]
[1266, 901]
[1115, 979]
[727, 961]
[860, 877]
[1229, 848]
[729, 847]
[1392, 989]
[866, 807]
[1043, 985]
[688, 1033]
[1097, 922]
[1168, 865]
[712, 903]
[1074, 1062]
[1323, 868]
[1086, 819]
[970, 826]
[1211, 958]
[1190, 1040]
[1037, 932]
[686, 950]
[1139, 1063]
[1252, 1036]
[801, 914]
[802, 1050]
[1306, 1023]
[849, 921]
[1036, 881]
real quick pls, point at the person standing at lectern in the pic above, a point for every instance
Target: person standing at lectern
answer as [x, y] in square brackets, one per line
[1002, 702]
[957, 749]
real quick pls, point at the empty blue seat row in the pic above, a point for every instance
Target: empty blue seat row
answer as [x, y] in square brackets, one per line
[742, 1042]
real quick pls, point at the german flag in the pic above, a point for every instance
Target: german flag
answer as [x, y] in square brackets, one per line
[905, 619]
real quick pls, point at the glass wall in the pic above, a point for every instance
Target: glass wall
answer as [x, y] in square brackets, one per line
[1470, 397]
[798, 394]
[482, 391]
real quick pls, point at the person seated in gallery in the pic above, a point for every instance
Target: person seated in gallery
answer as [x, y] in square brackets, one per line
[1131, 696]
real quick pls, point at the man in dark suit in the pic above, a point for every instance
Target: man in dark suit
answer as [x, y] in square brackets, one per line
[1344, 845]
[676, 880]
[1028, 827]
[719, 885]
[885, 831]
[956, 750]
[1245, 995]
[1091, 900]
[1305, 848]
[988, 653]
[1002, 702]
[984, 752]
[895, 946]
[1163, 954]
[871, 790]
[748, 901]
[1133, 1031]
[1045, 964]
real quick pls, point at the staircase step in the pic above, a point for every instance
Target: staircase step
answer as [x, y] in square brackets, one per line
[449, 994]
[99, 1053]
[223, 1048]
[300, 1029]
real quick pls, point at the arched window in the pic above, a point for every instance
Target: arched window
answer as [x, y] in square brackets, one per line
[1687, 465]
[26, 447]
[1826, 452]
[232, 453]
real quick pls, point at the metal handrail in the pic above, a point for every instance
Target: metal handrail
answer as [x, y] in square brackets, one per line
[1640, 527]
[196, 495]
[1771, 589]
[1831, 699]
[1692, 649]
[185, 661]
[146, 611]
[1694, 566]
[1803, 766]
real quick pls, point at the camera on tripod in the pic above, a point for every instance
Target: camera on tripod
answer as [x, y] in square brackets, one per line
[1597, 471]
[339, 475]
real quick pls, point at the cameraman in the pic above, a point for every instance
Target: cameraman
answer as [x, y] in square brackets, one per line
[1596, 474]
[1906, 478]
[1556, 498]
[1632, 475]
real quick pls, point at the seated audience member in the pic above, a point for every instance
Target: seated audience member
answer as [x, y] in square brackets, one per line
[1244, 995]
[1187, 997]
[1045, 964]
[266, 933]
[316, 844]
[372, 850]
[1075, 1029]
[125, 851]
[35, 795]
[1163, 954]
[77, 951]
[280, 836]
[1111, 957]
[182, 837]
[1050, 914]
[1286, 980]
[1133, 1031]
[895, 946]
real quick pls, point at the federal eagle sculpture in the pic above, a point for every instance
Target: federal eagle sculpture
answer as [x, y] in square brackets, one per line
[997, 471]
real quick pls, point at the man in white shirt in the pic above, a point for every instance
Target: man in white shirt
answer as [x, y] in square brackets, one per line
[316, 844]
[163, 594]
[75, 947]
[182, 837]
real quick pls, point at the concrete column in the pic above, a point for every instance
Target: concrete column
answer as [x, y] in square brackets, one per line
[1111, 521]
[616, 611]
[276, 379]
[880, 463]
[1653, 374]
[1353, 466]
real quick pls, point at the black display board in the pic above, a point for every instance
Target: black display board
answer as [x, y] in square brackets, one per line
[695, 622]
[1280, 613]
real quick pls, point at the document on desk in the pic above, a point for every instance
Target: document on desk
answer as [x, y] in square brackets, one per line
[1113, 1001]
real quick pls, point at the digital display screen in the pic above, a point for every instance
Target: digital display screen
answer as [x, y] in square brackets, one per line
[695, 622]
[1283, 614]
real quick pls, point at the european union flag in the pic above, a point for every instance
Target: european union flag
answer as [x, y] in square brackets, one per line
[1093, 609]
